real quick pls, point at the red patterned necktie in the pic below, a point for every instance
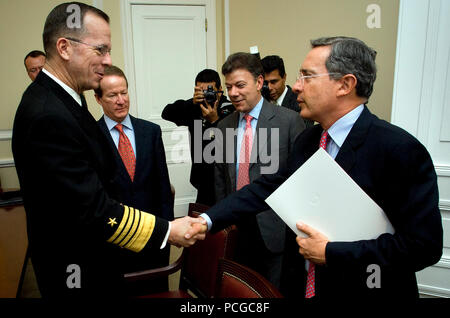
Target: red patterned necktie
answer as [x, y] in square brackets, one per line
[311, 279]
[244, 157]
[126, 151]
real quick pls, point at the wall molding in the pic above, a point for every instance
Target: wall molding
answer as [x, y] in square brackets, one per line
[5, 134]
[442, 170]
[226, 6]
[6, 163]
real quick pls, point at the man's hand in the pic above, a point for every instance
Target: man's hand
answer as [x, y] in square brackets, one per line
[199, 97]
[313, 247]
[186, 231]
[208, 112]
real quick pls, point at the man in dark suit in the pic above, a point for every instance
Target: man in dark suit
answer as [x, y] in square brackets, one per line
[391, 166]
[280, 93]
[197, 112]
[76, 223]
[148, 189]
[273, 132]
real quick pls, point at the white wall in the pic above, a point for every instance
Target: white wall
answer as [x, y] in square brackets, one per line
[421, 106]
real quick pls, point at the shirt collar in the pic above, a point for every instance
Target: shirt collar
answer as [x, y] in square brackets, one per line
[280, 99]
[255, 111]
[341, 128]
[68, 89]
[112, 123]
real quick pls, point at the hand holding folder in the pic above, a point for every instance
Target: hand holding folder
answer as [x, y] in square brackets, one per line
[322, 195]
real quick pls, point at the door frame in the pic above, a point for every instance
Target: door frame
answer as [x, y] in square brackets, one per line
[127, 35]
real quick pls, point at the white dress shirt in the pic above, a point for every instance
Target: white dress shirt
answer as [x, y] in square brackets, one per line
[280, 99]
[127, 129]
[68, 89]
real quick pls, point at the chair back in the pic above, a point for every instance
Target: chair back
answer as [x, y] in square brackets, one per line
[199, 271]
[238, 281]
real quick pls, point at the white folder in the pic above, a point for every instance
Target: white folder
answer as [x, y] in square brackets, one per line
[322, 195]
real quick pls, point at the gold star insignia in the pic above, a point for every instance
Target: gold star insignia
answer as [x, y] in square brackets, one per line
[112, 222]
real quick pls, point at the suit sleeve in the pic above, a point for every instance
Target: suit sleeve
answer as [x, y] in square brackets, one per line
[163, 177]
[246, 202]
[220, 168]
[66, 180]
[181, 112]
[296, 127]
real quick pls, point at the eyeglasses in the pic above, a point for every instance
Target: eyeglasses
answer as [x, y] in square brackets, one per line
[302, 77]
[100, 49]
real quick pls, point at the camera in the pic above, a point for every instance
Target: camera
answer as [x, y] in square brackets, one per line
[265, 91]
[210, 95]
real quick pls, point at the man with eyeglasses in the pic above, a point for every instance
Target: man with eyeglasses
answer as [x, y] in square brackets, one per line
[34, 62]
[76, 222]
[334, 85]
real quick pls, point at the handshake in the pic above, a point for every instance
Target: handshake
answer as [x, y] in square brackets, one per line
[186, 231]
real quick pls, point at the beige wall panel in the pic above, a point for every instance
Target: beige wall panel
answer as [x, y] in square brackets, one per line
[285, 27]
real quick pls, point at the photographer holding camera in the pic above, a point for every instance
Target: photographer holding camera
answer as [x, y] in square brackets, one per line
[210, 106]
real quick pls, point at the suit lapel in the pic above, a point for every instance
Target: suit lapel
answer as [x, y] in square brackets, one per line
[232, 165]
[346, 157]
[87, 123]
[140, 140]
[120, 166]
[288, 99]
[260, 143]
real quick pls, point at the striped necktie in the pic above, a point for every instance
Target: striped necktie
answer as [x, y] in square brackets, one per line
[244, 157]
[311, 279]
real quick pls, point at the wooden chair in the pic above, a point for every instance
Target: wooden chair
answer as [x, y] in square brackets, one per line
[238, 281]
[198, 263]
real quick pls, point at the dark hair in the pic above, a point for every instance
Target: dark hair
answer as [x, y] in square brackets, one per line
[246, 61]
[34, 53]
[57, 23]
[273, 62]
[351, 56]
[207, 76]
[110, 71]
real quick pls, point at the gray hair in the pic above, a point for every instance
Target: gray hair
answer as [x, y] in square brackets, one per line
[56, 24]
[351, 56]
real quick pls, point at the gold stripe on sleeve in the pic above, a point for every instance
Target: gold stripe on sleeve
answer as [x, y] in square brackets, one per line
[121, 225]
[127, 228]
[132, 232]
[145, 231]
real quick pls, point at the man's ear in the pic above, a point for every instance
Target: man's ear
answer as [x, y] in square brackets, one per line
[97, 98]
[347, 84]
[259, 82]
[64, 48]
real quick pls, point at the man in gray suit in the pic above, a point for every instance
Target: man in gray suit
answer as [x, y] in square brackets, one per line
[257, 139]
